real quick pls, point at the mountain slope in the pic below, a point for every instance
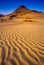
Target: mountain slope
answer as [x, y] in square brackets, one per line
[1, 15]
[24, 14]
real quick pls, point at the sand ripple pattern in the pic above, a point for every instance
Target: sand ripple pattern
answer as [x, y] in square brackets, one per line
[21, 49]
[22, 46]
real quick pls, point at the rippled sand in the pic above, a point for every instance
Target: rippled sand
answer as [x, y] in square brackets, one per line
[22, 44]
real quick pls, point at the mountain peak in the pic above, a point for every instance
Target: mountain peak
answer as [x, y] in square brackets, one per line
[22, 6]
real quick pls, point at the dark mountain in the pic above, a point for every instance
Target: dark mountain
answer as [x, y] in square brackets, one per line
[23, 13]
[21, 10]
[1, 15]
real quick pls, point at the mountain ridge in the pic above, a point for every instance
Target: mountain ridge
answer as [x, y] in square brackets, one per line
[1, 15]
[19, 9]
[23, 13]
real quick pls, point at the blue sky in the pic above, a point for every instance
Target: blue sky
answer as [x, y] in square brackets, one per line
[7, 6]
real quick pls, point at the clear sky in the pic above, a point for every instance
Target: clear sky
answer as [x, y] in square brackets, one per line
[7, 6]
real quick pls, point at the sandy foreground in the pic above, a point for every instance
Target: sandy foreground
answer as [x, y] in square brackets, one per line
[22, 44]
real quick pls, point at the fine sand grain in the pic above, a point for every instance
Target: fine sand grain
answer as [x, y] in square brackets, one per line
[22, 44]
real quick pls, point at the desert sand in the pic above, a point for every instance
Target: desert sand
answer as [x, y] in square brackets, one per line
[22, 37]
[22, 44]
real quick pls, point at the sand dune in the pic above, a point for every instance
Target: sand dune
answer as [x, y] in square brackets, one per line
[22, 44]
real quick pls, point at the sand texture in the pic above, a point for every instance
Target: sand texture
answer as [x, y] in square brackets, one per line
[22, 44]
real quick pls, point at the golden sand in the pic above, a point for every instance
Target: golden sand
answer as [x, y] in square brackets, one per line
[22, 44]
